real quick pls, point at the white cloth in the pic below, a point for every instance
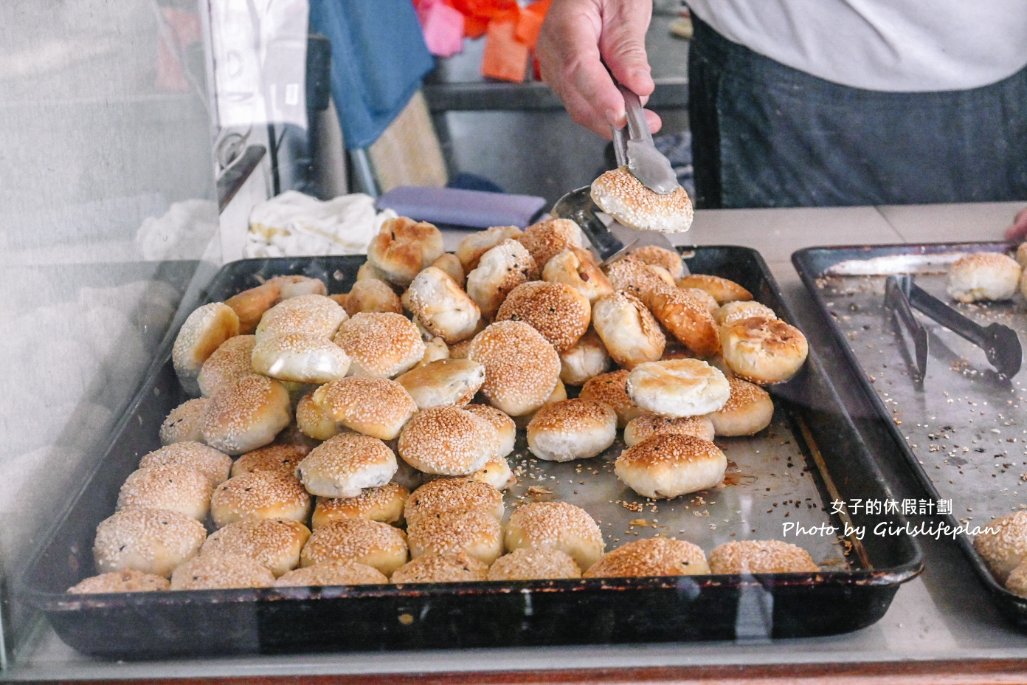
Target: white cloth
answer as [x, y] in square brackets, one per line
[887, 45]
[294, 224]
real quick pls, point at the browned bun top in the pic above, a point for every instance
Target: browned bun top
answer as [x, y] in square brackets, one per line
[445, 496]
[445, 440]
[546, 523]
[572, 415]
[166, 486]
[127, 580]
[250, 305]
[258, 492]
[743, 395]
[403, 247]
[527, 563]
[722, 289]
[651, 557]
[260, 539]
[365, 400]
[221, 571]
[647, 425]
[352, 538]
[370, 295]
[277, 458]
[195, 455]
[314, 315]
[619, 193]
[380, 342]
[761, 556]
[230, 361]
[660, 256]
[667, 450]
[775, 336]
[346, 454]
[610, 388]
[556, 310]
[146, 532]
[637, 278]
[545, 238]
[372, 503]
[450, 567]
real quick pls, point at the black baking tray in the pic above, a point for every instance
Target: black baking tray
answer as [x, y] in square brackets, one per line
[148, 625]
[812, 265]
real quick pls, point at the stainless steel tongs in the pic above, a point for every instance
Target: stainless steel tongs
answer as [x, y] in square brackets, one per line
[634, 148]
[1000, 343]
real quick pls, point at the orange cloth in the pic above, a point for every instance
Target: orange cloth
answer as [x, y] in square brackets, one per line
[505, 58]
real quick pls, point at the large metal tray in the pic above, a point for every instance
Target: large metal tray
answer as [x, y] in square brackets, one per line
[964, 432]
[810, 456]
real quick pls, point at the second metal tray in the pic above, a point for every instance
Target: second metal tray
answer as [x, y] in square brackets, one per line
[810, 456]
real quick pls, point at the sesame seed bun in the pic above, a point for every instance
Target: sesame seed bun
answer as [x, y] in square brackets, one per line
[556, 310]
[451, 567]
[378, 407]
[722, 289]
[368, 542]
[506, 429]
[260, 494]
[983, 276]
[370, 295]
[521, 367]
[207, 460]
[230, 361]
[1016, 582]
[669, 465]
[449, 263]
[202, 332]
[221, 572]
[545, 239]
[577, 268]
[1006, 547]
[474, 245]
[281, 459]
[128, 580]
[687, 317]
[534, 564]
[380, 344]
[298, 357]
[250, 304]
[748, 410]
[446, 441]
[274, 543]
[556, 525]
[444, 383]
[647, 425]
[496, 472]
[763, 351]
[660, 256]
[638, 278]
[628, 330]
[444, 497]
[148, 540]
[678, 387]
[404, 247]
[475, 532]
[618, 193]
[612, 389]
[572, 429]
[731, 312]
[441, 306]
[584, 359]
[317, 316]
[651, 557]
[184, 423]
[246, 415]
[337, 572]
[383, 503]
[345, 464]
[174, 487]
[500, 270]
[760, 556]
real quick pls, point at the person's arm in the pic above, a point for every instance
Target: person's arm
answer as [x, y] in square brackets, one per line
[580, 40]
[1018, 229]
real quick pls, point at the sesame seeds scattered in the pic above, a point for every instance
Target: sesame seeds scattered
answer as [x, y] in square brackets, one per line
[175, 487]
[559, 525]
[546, 238]
[531, 564]
[278, 458]
[384, 503]
[221, 571]
[669, 450]
[195, 455]
[474, 531]
[621, 195]
[128, 580]
[380, 344]
[275, 543]
[760, 556]
[253, 408]
[360, 540]
[148, 540]
[184, 422]
[657, 556]
[446, 441]
[259, 494]
[375, 406]
[230, 361]
[445, 496]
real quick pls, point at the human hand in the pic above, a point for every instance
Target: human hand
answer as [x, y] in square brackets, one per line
[577, 38]
[1018, 229]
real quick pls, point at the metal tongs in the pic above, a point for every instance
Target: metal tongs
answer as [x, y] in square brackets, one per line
[1000, 343]
[637, 151]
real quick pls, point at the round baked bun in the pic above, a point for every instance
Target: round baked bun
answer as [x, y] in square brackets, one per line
[500, 270]
[647, 425]
[760, 556]
[748, 411]
[730, 312]
[687, 317]
[1003, 544]
[506, 429]
[275, 543]
[662, 257]
[556, 525]
[475, 532]
[277, 458]
[449, 567]
[128, 580]
[260, 494]
[378, 407]
[229, 362]
[651, 557]
[576, 267]
[446, 441]
[668, 465]
[404, 247]
[297, 357]
[637, 278]
[983, 276]
[384, 503]
[337, 572]
[1016, 582]
[556, 310]
[441, 306]
[521, 367]
[246, 415]
[583, 360]
[618, 193]
[203, 332]
[184, 423]
[763, 351]
[316, 316]
[545, 239]
[174, 487]
[612, 389]
[572, 429]
[534, 564]
[207, 460]
[147, 540]
[444, 382]
[628, 330]
[380, 344]
[250, 304]
[447, 497]
[221, 572]
[678, 387]
[474, 245]
[345, 464]
[722, 289]
[368, 542]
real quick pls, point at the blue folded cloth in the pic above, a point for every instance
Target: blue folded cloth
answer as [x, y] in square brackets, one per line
[378, 60]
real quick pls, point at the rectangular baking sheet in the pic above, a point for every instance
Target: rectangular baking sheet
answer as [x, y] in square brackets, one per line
[810, 456]
[964, 432]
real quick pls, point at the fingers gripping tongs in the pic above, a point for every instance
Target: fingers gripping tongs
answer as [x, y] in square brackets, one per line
[1000, 343]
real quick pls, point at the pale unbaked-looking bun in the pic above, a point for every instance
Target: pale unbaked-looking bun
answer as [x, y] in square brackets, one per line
[345, 464]
[184, 423]
[449, 567]
[281, 459]
[521, 367]
[668, 465]
[611, 388]
[174, 487]
[583, 360]
[618, 193]
[203, 332]
[688, 319]
[335, 572]
[446, 441]
[577, 268]
[628, 330]
[378, 407]
[207, 460]
[760, 556]
[298, 357]
[572, 429]
[128, 580]
[446, 497]
[534, 564]
[441, 306]
[648, 425]
[443, 383]
[678, 387]
[556, 525]
[545, 239]
[474, 245]
[229, 362]
[380, 344]
[748, 411]
[730, 312]
[556, 310]
[500, 270]
[506, 429]
[371, 295]
[246, 415]
[1003, 545]
[404, 247]
[260, 494]
[317, 316]
[475, 532]
[368, 542]
[983, 276]
[651, 557]
[662, 257]
[763, 351]
[275, 543]
[221, 572]
[148, 540]
[384, 503]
